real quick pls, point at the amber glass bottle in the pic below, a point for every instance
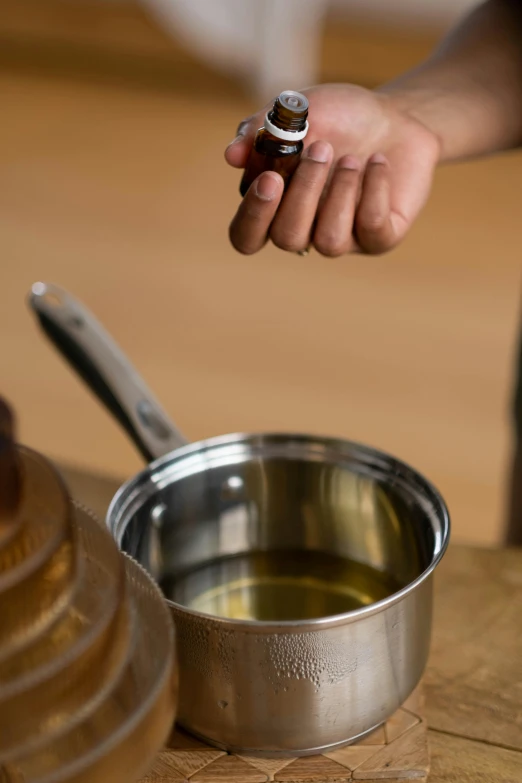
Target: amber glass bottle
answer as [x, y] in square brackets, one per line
[279, 144]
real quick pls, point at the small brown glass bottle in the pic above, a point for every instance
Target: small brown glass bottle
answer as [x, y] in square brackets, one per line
[279, 144]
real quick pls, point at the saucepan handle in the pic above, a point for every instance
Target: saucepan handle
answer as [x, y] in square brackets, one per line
[94, 355]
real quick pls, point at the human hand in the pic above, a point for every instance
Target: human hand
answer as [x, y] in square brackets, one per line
[362, 180]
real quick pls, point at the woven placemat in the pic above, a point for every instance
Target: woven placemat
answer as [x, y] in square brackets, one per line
[395, 752]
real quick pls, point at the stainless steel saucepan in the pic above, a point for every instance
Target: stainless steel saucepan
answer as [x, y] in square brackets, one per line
[298, 569]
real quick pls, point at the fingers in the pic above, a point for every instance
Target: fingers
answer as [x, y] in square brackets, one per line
[374, 228]
[289, 221]
[293, 223]
[353, 214]
[249, 228]
[359, 213]
[236, 154]
[333, 233]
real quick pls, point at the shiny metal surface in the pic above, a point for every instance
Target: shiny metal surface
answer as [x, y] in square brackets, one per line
[294, 686]
[302, 686]
[102, 365]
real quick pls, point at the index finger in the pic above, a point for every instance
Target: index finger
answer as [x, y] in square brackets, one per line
[237, 152]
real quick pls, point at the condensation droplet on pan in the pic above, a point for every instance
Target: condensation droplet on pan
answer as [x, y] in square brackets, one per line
[308, 656]
[226, 656]
[194, 635]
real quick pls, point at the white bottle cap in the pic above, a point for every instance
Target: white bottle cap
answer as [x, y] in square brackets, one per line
[295, 102]
[284, 135]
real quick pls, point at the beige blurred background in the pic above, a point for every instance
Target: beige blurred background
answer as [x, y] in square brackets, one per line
[115, 115]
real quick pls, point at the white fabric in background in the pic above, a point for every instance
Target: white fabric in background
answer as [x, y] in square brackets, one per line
[270, 45]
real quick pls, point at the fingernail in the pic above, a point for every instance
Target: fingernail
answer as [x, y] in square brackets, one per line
[319, 151]
[378, 158]
[348, 162]
[238, 138]
[267, 186]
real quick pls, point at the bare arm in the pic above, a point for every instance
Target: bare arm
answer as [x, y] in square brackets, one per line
[367, 172]
[469, 92]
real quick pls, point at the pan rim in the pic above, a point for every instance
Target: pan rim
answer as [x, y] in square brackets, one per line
[410, 479]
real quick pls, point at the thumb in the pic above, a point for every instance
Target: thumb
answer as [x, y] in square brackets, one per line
[237, 152]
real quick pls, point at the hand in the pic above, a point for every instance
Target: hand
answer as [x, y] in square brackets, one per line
[362, 180]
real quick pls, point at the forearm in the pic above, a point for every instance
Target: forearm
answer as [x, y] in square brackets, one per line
[469, 92]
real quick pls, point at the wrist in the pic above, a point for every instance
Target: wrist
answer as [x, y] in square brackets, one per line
[468, 92]
[422, 105]
[469, 119]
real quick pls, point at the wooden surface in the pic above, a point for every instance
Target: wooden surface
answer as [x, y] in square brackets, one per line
[105, 192]
[473, 683]
[396, 751]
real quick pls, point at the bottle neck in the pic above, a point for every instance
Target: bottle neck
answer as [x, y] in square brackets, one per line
[291, 136]
[285, 119]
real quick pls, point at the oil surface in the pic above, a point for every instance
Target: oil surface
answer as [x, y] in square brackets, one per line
[279, 586]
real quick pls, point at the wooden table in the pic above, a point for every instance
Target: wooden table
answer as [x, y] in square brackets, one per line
[474, 677]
